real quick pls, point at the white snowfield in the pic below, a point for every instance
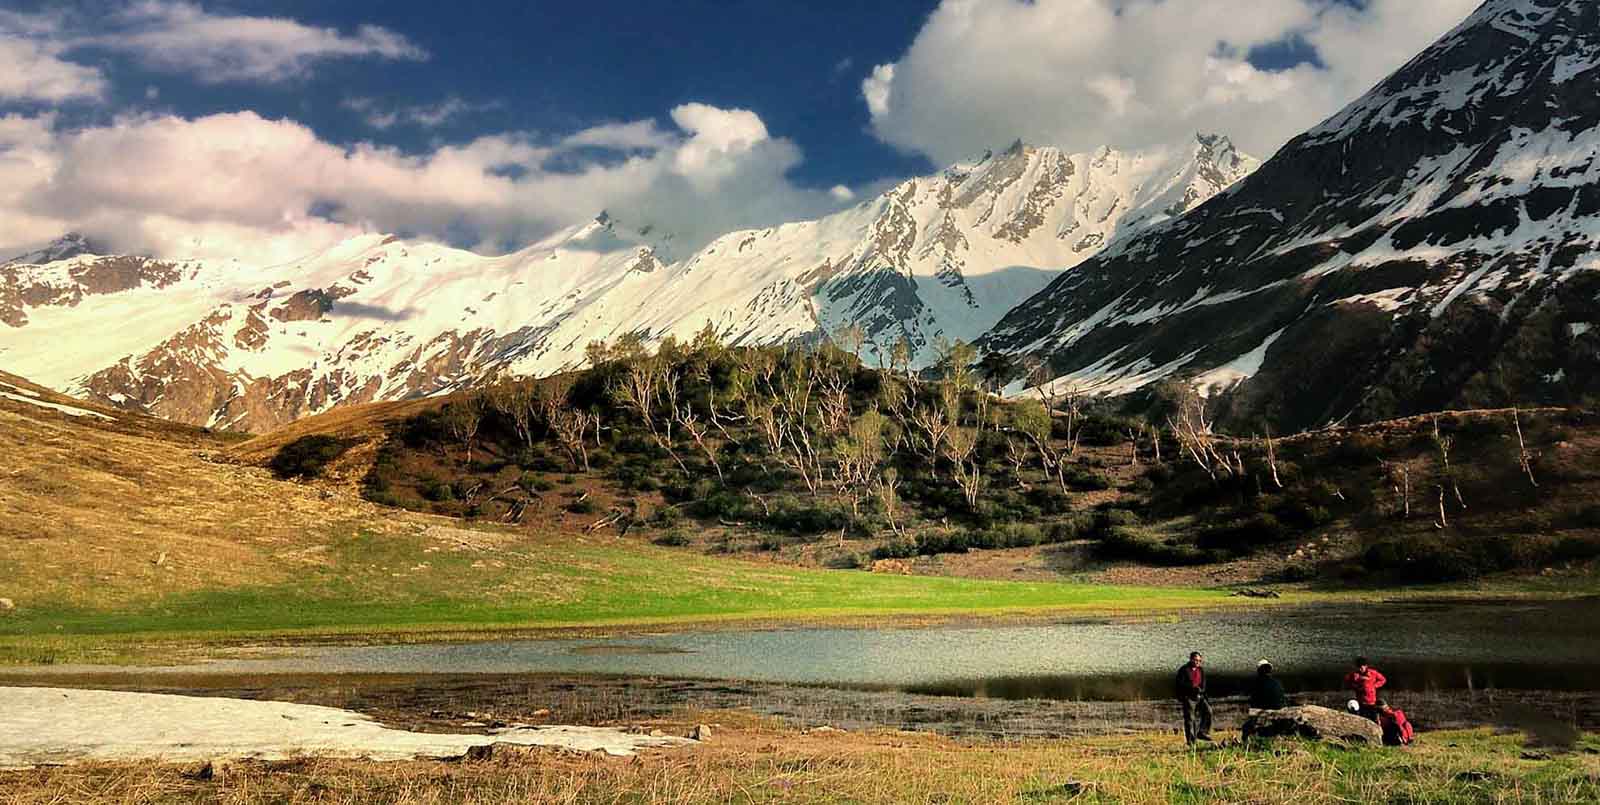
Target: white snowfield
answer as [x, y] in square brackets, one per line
[376, 318]
[15, 394]
[58, 726]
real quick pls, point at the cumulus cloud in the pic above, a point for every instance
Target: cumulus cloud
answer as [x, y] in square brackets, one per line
[1135, 73]
[32, 67]
[842, 193]
[239, 184]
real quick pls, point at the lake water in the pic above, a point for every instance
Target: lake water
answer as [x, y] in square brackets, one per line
[1547, 646]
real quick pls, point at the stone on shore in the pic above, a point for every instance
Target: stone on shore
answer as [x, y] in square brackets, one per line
[1312, 722]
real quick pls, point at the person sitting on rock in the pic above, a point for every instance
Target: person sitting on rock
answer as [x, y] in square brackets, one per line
[1191, 694]
[1397, 729]
[1364, 681]
[1266, 693]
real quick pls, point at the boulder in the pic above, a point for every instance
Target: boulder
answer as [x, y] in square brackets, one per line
[1312, 722]
[701, 732]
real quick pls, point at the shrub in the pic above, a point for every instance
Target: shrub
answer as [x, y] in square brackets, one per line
[1086, 480]
[897, 549]
[1143, 544]
[676, 538]
[307, 456]
[1241, 536]
[435, 489]
[582, 506]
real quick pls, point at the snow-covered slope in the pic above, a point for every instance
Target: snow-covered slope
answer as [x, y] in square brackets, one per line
[1433, 244]
[238, 346]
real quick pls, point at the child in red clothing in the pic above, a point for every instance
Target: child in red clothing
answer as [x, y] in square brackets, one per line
[1397, 730]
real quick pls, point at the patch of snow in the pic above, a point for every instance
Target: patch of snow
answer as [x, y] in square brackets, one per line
[1237, 370]
[53, 726]
[69, 410]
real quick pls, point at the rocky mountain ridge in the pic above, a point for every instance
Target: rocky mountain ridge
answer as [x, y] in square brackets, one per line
[1433, 245]
[237, 346]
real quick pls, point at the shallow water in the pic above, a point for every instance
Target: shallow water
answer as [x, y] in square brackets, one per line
[1544, 646]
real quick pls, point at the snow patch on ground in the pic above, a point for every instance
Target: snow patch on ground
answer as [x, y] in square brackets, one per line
[65, 409]
[55, 726]
[1237, 370]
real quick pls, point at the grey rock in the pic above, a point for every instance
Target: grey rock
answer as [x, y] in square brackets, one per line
[1314, 723]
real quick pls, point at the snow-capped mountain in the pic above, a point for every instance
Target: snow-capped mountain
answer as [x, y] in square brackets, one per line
[1434, 244]
[238, 346]
[71, 244]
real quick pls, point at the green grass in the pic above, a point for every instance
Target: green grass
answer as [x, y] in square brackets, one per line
[395, 587]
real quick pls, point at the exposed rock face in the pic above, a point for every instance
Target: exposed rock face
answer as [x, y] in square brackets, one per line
[377, 318]
[1433, 245]
[1312, 722]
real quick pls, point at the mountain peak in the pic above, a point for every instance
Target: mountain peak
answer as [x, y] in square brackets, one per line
[65, 247]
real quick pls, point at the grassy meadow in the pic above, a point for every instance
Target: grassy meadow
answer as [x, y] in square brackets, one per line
[758, 762]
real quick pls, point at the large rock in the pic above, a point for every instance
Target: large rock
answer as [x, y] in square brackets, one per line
[1313, 722]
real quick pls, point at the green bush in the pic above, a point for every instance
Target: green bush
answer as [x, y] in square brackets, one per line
[436, 489]
[676, 538]
[582, 506]
[307, 456]
[1242, 536]
[897, 549]
[1143, 544]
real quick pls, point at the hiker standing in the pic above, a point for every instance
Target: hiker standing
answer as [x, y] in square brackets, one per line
[1267, 692]
[1191, 693]
[1364, 681]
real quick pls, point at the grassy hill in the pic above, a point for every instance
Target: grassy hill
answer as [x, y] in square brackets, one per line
[127, 537]
[809, 458]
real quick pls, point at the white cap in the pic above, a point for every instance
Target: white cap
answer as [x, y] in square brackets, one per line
[1263, 662]
[1353, 706]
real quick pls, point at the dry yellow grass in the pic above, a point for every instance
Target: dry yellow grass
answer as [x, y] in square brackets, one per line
[753, 761]
[105, 514]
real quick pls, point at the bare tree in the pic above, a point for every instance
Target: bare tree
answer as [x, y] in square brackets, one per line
[698, 430]
[1524, 458]
[1272, 459]
[960, 445]
[515, 399]
[571, 428]
[463, 417]
[648, 387]
[888, 489]
[1399, 477]
[900, 356]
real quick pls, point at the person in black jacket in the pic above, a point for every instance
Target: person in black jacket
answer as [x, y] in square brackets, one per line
[1266, 693]
[1191, 693]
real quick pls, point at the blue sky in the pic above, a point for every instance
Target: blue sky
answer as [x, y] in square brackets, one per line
[492, 124]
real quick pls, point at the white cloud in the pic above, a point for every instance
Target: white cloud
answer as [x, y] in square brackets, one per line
[181, 36]
[237, 183]
[717, 137]
[875, 89]
[842, 193]
[1133, 73]
[41, 54]
[32, 67]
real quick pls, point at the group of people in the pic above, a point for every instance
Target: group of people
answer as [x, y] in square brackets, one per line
[1266, 693]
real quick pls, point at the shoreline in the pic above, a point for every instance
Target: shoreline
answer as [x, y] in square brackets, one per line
[470, 703]
[118, 650]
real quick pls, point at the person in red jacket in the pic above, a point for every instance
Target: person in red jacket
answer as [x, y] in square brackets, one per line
[1191, 694]
[1364, 681]
[1397, 729]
